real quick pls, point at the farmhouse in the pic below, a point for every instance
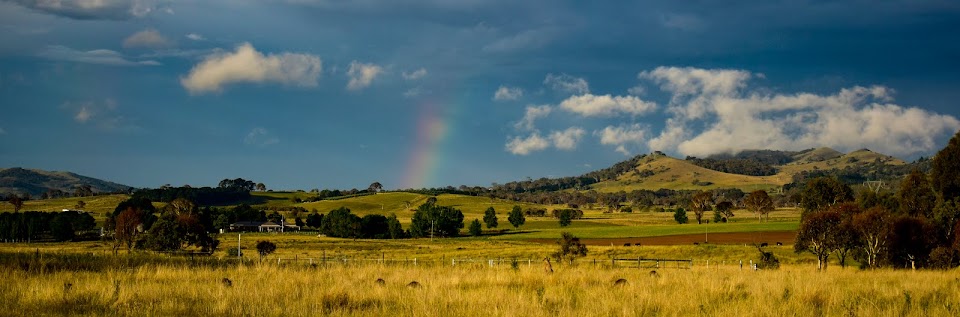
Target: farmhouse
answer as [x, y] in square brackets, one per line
[261, 226]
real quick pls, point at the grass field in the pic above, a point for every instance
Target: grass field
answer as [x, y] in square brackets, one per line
[196, 289]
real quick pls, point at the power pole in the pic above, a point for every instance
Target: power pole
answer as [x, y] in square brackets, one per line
[239, 255]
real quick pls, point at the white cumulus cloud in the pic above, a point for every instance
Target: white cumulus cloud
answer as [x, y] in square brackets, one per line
[621, 136]
[589, 105]
[567, 84]
[531, 115]
[507, 93]
[246, 64]
[567, 139]
[149, 38]
[361, 75]
[417, 74]
[530, 144]
[713, 111]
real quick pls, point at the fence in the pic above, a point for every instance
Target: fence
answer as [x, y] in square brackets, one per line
[613, 263]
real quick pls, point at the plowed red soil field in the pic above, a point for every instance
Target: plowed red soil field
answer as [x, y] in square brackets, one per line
[771, 237]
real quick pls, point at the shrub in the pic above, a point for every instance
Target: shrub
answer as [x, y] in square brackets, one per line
[570, 248]
[476, 229]
[680, 215]
[265, 248]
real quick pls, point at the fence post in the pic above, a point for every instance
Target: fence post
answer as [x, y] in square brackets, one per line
[414, 261]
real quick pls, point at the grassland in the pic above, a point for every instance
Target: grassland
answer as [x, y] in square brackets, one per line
[197, 289]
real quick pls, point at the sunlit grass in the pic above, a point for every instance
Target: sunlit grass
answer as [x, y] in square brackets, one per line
[476, 289]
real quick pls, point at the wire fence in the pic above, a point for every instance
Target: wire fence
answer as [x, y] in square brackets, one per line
[514, 262]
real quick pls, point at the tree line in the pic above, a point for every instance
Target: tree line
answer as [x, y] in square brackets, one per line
[32, 226]
[917, 227]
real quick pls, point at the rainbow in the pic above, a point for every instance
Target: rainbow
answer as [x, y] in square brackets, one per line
[426, 157]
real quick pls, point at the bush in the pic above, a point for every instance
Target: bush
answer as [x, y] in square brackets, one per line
[767, 261]
[570, 248]
[476, 229]
[233, 252]
[680, 215]
[943, 258]
[565, 216]
[265, 248]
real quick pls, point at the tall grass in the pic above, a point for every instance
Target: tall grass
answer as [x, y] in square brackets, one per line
[169, 288]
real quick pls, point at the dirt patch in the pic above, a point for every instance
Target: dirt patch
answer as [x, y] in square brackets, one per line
[770, 237]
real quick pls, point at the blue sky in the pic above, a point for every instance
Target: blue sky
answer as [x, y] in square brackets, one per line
[305, 94]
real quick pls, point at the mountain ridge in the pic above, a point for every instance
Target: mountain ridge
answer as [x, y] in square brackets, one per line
[35, 182]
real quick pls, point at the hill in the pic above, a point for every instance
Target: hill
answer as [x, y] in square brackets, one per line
[656, 171]
[35, 182]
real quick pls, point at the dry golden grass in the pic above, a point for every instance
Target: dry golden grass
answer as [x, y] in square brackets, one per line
[478, 290]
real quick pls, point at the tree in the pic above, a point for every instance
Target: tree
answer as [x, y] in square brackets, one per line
[431, 200]
[759, 203]
[565, 216]
[570, 248]
[433, 220]
[911, 240]
[125, 229]
[873, 227]
[516, 217]
[315, 220]
[723, 211]
[16, 201]
[680, 215]
[822, 192]
[341, 223]
[261, 187]
[80, 204]
[375, 187]
[816, 235]
[374, 227]
[183, 206]
[476, 229]
[701, 203]
[845, 240]
[265, 248]
[394, 227]
[490, 217]
[61, 227]
[945, 170]
[917, 198]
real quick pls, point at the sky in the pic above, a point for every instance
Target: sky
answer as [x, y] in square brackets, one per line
[303, 94]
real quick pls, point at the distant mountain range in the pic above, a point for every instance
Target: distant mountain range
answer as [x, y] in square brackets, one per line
[747, 170]
[36, 182]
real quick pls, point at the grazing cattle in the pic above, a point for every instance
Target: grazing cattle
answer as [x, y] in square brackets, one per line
[696, 243]
[413, 284]
[779, 244]
[637, 244]
[620, 282]
[381, 282]
[763, 245]
[654, 273]
[226, 282]
[546, 265]
[626, 244]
